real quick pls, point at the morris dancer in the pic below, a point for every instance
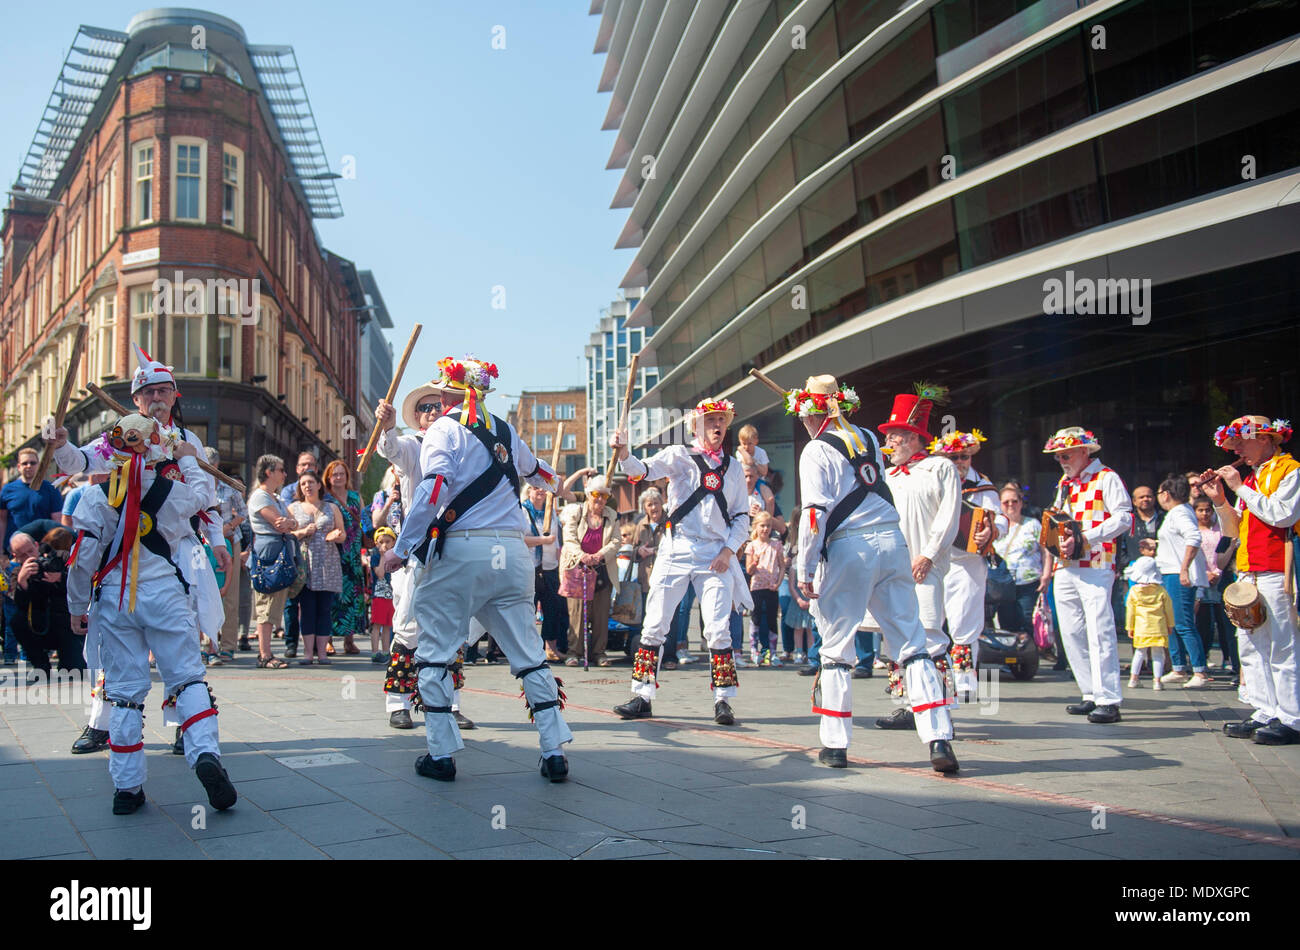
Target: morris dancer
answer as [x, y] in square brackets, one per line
[963, 585]
[419, 410]
[154, 392]
[466, 528]
[708, 521]
[1267, 510]
[927, 495]
[1094, 496]
[850, 538]
[131, 536]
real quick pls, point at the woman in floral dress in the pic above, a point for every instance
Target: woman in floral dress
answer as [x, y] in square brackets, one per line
[348, 612]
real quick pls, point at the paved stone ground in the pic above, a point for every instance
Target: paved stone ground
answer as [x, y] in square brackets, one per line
[321, 775]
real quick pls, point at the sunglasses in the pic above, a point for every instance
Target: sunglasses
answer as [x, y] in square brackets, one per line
[428, 406]
[599, 494]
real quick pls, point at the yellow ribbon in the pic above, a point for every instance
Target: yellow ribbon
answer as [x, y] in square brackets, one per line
[851, 437]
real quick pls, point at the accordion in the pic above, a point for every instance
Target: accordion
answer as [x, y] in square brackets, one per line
[973, 518]
[1057, 525]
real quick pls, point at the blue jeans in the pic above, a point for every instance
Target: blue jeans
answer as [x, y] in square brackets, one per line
[737, 631]
[867, 645]
[682, 621]
[290, 622]
[1185, 637]
[787, 631]
[11, 642]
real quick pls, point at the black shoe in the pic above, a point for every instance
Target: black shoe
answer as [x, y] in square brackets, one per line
[1241, 730]
[835, 758]
[178, 747]
[1059, 668]
[942, 758]
[460, 720]
[221, 793]
[90, 740]
[1104, 714]
[555, 768]
[400, 719]
[722, 714]
[901, 718]
[443, 770]
[862, 672]
[1081, 709]
[634, 708]
[810, 670]
[127, 803]
[243, 645]
[1276, 734]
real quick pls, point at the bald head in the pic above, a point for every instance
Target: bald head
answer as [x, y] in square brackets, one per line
[23, 546]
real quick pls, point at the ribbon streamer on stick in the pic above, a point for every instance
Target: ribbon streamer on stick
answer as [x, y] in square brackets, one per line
[392, 393]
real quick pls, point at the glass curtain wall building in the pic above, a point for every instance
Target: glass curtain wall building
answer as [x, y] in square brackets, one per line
[888, 193]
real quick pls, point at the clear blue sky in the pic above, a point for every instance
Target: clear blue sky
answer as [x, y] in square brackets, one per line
[475, 167]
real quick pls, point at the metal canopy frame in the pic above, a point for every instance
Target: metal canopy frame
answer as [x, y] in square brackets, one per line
[86, 68]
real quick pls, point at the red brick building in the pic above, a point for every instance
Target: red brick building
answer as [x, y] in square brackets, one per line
[169, 199]
[537, 417]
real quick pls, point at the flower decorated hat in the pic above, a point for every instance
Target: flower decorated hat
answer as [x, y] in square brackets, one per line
[822, 395]
[470, 376]
[1072, 437]
[149, 371]
[706, 406]
[1252, 427]
[955, 443]
[911, 411]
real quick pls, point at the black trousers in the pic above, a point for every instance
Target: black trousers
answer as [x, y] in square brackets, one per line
[555, 609]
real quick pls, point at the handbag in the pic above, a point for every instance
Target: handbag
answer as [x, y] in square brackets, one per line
[276, 574]
[578, 583]
[628, 604]
[1000, 588]
[1044, 633]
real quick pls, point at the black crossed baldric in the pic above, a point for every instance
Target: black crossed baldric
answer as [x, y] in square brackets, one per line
[501, 465]
[150, 537]
[711, 484]
[869, 479]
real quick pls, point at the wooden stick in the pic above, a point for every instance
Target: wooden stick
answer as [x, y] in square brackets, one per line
[766, 381]
[622, 420]
[212, 470]
[555, 467]
[74, 364]
[392, 392]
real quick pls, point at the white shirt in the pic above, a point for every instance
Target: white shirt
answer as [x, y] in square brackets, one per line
[825, 478]
[404, 452]
[760, 456]
[72, 460]
[1280, 509]
[987, 499]
[928, 500]
[704, 524]
[103, 531]
[1178, 532]
[449, 449]
[1118, 505]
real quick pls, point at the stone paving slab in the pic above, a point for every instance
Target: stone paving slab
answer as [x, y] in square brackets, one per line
[676, 787]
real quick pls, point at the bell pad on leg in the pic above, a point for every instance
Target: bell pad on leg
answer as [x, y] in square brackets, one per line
[723, 668]
[961, 658]
[644, 665]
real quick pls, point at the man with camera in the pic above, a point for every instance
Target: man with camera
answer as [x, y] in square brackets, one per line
[41, 621]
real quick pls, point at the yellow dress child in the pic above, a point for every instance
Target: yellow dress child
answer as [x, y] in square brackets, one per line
[1150, 617]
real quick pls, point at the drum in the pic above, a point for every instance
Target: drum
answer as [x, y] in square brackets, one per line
[1057, 525]
[1244, 606]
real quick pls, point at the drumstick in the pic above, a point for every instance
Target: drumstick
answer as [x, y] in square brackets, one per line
[555, 464]
[212, 470]
[392, 392]
[74, 364]
[622, 421]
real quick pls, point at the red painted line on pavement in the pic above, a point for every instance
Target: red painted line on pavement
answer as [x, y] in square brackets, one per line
[1017, 791]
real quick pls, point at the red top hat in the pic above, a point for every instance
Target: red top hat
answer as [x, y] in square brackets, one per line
[911, 411]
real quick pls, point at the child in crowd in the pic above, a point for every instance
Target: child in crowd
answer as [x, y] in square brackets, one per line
[381, 603]
[797, 617]
[765, 564]
[749, 451]
[1150, 617]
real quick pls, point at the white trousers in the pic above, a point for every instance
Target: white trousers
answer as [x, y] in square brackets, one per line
[672, 573]
[397, 701]
[98, 708]
[1088, 631]
[490, 578]
[872, 570]
[963, 602]
[163, 622]
[1268, 654]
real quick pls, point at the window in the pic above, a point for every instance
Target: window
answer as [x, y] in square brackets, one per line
[187, 337]
[102, 339]
[142, 190]
[142, 319]
[545, 442]
[76, 253]
[189, 201]
[569, 443]
[232, 188]
[229, 338]
[566, 410]
[56, 276]
[263, 213]
[268, 336]
[541, 411]
[107, 209]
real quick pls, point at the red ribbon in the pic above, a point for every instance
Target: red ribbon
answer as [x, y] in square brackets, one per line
[903, 466]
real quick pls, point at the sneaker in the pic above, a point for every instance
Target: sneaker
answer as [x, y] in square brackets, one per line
[879, 665]
[776, 661]
[378, 657]
[1173, 676]
[765, 658]
[798, 657]
[755, 658]
[683, 657]
[1133, 682]
[1157, 686]
[1198, 681]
